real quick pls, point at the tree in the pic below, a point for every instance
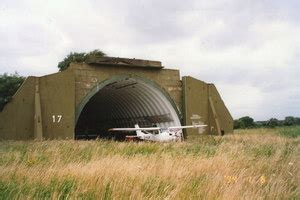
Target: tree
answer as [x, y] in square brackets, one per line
[238, 124]
[297, 120]
[272, 123]
[246, 122]
[289, 121]
[78, 57]
[260, 124]
[9, 84]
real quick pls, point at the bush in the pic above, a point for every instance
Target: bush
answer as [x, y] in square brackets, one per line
[244, 122]
[272, 123]
[77, 57]
[297, 120]
[289, 121]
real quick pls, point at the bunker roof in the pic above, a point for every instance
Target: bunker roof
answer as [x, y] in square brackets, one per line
[126, 62]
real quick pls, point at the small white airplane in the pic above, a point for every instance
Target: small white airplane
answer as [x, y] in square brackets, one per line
[156, 134]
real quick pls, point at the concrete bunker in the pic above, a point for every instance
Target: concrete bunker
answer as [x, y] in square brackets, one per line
[88, 98]
[124, 101]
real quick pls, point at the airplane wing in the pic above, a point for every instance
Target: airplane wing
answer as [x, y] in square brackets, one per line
[134, 129]
[191, 126]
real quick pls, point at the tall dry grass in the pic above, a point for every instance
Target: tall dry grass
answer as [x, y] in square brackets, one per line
[250, 164]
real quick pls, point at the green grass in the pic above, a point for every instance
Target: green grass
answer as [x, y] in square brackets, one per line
[292, 132]
[256, 164]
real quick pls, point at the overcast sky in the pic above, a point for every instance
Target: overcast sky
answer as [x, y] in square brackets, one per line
[249, 48]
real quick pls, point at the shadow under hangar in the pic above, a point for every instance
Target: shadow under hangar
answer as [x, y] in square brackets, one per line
[88, 98]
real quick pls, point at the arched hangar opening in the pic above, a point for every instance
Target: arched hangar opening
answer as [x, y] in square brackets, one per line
[123, 102]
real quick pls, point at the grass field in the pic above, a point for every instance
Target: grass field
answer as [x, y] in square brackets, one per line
[250, 164]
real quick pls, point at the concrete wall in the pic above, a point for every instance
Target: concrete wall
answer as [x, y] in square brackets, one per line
[195, 98]
[16, 119]
[204, 105]
[57, 93]
[222, 114]
[57, 98]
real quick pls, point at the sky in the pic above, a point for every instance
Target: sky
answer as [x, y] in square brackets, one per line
[250, 49]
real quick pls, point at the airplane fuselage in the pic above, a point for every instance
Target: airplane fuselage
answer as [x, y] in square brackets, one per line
[157, 134]
[162, 136]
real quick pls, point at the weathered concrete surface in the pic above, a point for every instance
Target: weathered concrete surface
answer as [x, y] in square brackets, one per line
[59, 95]
[123, 62]
[222, 113]
[195, 97]
[58, 99]
[17, 117]
[204, 105]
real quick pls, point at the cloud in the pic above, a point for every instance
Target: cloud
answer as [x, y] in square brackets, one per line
[249, 49]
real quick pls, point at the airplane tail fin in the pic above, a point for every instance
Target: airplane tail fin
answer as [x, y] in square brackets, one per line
[138, 132]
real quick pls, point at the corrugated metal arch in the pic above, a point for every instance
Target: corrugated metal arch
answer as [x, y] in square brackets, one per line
[130, 97]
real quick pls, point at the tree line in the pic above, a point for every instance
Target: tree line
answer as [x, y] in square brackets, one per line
[248, 122]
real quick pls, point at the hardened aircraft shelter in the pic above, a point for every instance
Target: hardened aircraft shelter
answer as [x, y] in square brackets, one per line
[88, 98]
